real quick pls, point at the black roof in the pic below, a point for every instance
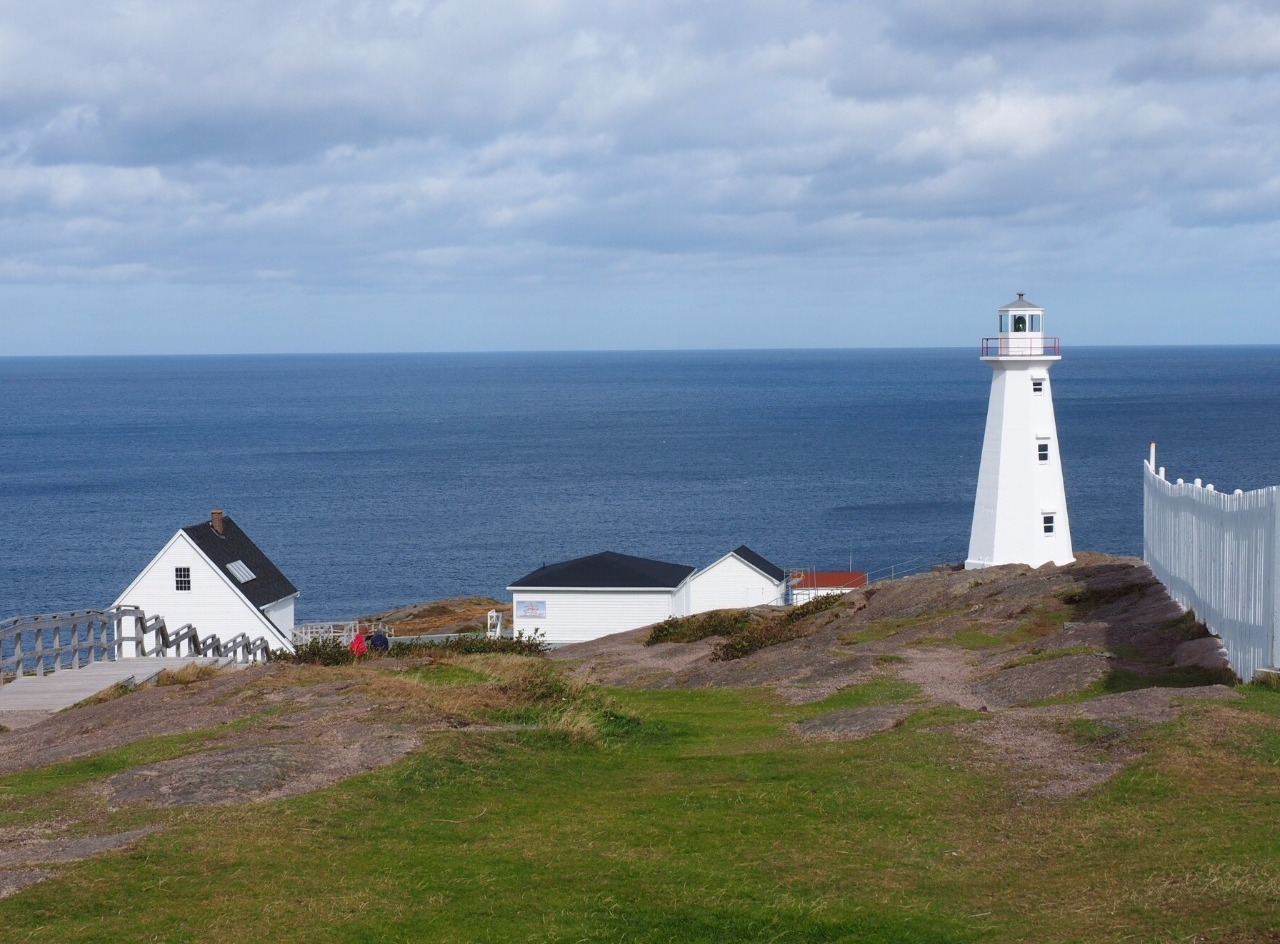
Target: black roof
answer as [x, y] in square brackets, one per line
[607, 569]
[759, 563]
[268, 584]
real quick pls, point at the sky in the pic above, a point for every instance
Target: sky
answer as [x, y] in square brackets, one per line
[240, 176]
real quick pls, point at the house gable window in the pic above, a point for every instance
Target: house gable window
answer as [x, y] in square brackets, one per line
[182, 578]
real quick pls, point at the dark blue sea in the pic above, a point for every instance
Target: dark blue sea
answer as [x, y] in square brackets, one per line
[375, 481]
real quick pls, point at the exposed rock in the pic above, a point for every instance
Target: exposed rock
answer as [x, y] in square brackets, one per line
[258, 772]
[48, 851]
[1040, 680]
[12, 882]
[854, 723]
[1206, 653]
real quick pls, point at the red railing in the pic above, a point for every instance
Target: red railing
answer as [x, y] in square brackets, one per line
[1021, 347]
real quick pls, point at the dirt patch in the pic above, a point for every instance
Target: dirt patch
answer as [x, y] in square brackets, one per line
[1025, 684]
[50, 851]
[1148, 705]
[255, 773]
[946, 676]
[854, 723]
[12, 882]
[1058, 766]
[11, 720]
[1035, 739]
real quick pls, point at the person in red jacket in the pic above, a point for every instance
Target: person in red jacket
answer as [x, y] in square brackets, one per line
[358, 647]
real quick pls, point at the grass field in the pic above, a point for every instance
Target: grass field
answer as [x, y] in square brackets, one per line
[690, 816]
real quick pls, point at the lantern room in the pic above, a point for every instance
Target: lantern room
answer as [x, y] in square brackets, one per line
[1021, 317]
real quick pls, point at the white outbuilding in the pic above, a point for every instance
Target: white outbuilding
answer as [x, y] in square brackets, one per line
[214, 577]
[589, 597]
[741, 578]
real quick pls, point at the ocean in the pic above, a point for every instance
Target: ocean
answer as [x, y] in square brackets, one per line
[380, 480]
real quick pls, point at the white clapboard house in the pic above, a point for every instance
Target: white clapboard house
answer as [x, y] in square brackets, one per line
[214, 577]
[589, 597]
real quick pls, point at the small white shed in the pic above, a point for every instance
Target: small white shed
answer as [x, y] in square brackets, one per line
[741, 578]
[214, 577]
[589, 597]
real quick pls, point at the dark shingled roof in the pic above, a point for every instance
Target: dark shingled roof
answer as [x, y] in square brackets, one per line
[608, 569]
[759, 563]
[268, 584]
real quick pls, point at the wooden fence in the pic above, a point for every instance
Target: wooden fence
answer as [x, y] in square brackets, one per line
[1216, 554]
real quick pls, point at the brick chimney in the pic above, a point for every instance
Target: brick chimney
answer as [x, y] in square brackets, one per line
[215, 519]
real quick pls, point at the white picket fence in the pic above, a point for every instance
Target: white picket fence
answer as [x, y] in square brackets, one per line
[1216, 554]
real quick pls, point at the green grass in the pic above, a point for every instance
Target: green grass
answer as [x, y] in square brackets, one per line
[449, 675]
[879, 691]
[702, 819]
[1048, 655]
[885, 628]
[1042, 622]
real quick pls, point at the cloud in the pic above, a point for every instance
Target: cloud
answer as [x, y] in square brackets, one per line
[360, 145]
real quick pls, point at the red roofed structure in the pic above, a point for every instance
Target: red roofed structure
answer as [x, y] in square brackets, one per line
[807, 584]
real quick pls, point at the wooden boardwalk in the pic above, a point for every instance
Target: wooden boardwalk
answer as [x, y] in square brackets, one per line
[28, 699]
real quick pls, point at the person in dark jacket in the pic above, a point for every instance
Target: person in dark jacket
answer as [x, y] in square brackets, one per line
[379, 642]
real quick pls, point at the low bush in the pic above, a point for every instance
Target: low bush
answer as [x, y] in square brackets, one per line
[329, 651]
[816, 605]
[191, 672]
[757, 636]
[744, 631]
[693, 628]
[532, 645]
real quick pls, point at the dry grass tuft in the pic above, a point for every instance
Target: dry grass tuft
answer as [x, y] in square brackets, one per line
[191, 672]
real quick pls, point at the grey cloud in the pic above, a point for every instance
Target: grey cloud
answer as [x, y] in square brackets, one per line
[385, 144]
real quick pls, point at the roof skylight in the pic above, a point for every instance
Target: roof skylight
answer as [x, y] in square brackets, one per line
[240, 571]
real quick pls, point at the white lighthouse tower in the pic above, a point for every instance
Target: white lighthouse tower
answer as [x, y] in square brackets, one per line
[1020, 513]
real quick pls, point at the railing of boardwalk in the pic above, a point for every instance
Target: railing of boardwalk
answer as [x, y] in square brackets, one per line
[39, 645]
[343, 631]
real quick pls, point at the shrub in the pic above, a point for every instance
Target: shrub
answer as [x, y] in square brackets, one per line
[329, 651]
[531, 645]
[693, 628]
[817, 605]
[191, 672]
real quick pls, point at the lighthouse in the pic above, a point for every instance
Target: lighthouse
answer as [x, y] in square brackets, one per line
[1020, 512]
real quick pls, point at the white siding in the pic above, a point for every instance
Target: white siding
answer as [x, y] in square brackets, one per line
[581, 615]
[805, 594]
[281, 614]
[211, 605]
[731, 583]
[1217, 554]
[1015, 489]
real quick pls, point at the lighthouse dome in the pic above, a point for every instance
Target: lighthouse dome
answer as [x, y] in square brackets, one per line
[1021, 304]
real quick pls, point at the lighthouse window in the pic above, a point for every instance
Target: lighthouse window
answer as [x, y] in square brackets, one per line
[1042, 449]
[1019, 323]
[1037, 386]
[1048, 524]
[1035, 322]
